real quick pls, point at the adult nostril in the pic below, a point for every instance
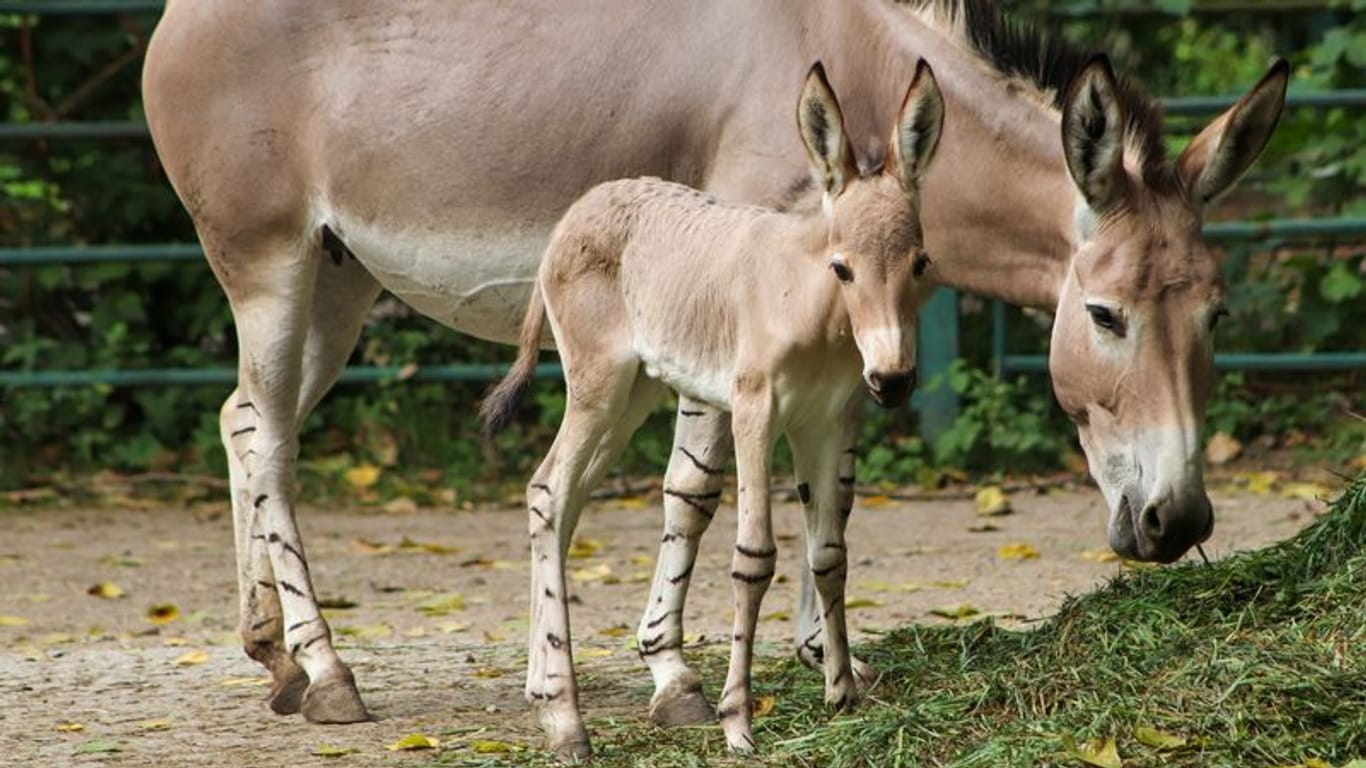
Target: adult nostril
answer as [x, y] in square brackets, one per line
[876, 380]
[1150, 522]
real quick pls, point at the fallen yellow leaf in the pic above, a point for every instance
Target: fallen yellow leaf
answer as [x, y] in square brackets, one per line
[876, 501]
[443, 604]
[107, 590]
[451, 627]
[1260, 482]
[1099, 555]
[1159, 740]
[581, 548]
[191, 658]
[955, 611]
[426, 546]
[69, 727]
[593, 653]
[175, 642]
[592, 573]
[163, 613]
[12, 621]
[488, 673]
[1016, 550]
[776, 616]
[991, 501]
[332, 750]
[362, 476]
[620, 630]
[492, 746]
[633, 502]
[414, 741]
[158, 724]
[863, 602]
[764, 705]
[640, 560]
[1306, 491]
[240, 682]
[1101, 753]
[367, 631]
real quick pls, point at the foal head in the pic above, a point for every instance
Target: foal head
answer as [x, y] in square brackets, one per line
[875, 249]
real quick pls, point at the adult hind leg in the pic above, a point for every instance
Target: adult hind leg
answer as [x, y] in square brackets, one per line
[692, 489]
[320, 309]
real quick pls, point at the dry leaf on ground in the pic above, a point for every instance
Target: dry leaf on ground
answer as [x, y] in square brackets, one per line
[1159, 740]
[414, 741]
[191, 658]
[991, 501]
[1016, 550]
[107, 590]
[1101, 753]
[163, 613]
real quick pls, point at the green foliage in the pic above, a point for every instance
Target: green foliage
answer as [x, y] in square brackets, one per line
[174, 315]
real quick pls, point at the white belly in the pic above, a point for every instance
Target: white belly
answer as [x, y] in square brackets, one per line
[475, 282]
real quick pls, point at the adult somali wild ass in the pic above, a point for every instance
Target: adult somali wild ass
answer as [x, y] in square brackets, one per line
[776, 317]
[437, 143]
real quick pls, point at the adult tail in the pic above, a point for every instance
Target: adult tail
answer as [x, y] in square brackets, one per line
[500, 405]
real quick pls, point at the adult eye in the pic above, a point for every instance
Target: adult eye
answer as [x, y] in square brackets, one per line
[1106, 318]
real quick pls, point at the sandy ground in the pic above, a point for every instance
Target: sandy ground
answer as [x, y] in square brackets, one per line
[435, 628]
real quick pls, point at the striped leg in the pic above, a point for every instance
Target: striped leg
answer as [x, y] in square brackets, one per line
[755, 552]
[692, 488]
[291, 351]
[343, 294]
[810, 638]
[818, 459]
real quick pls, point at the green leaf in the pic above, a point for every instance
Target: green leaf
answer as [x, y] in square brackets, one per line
[97, 747]
[1159, 740]
[1339, 284]
[1101, 753]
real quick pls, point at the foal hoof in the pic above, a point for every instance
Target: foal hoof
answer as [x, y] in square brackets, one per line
[286, 696]
[334, 700]
[681, 702]
[865, 677]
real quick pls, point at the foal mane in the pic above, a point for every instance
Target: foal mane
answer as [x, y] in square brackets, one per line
[1048, 63]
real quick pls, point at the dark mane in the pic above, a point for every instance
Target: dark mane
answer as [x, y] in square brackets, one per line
[1017, 49]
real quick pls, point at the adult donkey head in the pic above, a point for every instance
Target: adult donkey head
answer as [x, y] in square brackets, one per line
[1132, 348]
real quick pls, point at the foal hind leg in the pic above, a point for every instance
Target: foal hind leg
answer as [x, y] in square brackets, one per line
[810, 638]
[692, 489]
[280, 326]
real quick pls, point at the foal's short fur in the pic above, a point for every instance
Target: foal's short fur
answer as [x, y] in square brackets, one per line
[776, 317]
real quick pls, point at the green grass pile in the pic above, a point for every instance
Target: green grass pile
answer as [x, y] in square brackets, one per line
[1257, 660]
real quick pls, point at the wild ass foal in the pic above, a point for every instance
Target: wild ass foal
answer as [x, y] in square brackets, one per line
[775, 317]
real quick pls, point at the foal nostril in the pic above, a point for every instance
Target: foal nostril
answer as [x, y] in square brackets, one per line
[891, 389]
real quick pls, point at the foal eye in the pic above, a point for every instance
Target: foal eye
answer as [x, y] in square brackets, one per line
[842, 271]
[1214, 317]
[922, 262]
[1105, 318]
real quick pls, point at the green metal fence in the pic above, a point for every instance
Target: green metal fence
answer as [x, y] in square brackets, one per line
[940, 323]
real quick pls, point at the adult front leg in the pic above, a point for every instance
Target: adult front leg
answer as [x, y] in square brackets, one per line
[755, 552]
[810, 638]
[692, 489]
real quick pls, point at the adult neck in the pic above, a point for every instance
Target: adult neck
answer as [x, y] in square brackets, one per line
[998, 203]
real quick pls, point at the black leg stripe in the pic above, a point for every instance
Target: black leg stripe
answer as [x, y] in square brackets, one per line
[690, 413]
[682, 576]
[262, 623]
[847, 481]
[260, 500]
[752, 578]
[660, 619]
[818, 572]
[290, 588]
[672, 645]
[555, 641]
[242, 431]
[698, 462]
[541, 487]
[299, 624]
[697, 501]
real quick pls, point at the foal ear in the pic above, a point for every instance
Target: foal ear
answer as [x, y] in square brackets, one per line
[918, 127]
[1227, 147]
[822, 127]
[1093, 135]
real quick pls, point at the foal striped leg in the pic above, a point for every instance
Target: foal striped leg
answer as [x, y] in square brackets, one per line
[692, 489]
[810, 639]
[755, 552]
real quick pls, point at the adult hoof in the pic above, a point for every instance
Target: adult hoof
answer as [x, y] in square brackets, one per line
[286, 695]
[679, 703]
[334, 700]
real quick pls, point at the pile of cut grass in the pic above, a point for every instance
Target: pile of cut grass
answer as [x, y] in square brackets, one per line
[1256, 660]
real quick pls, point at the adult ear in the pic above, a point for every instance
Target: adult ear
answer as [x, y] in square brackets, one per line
[1220, 154]
[822, 128]
[1093, 135]
[918, 126]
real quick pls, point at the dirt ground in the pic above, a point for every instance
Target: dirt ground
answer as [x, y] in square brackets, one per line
[433, 626]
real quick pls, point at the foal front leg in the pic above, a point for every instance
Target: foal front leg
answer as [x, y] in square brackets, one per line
[692, 489]
[755, 553]
[810, 639]
[818, 459]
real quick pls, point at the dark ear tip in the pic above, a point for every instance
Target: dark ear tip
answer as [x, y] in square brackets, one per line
[817, 71]
[922, 68]
[1279, 68]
